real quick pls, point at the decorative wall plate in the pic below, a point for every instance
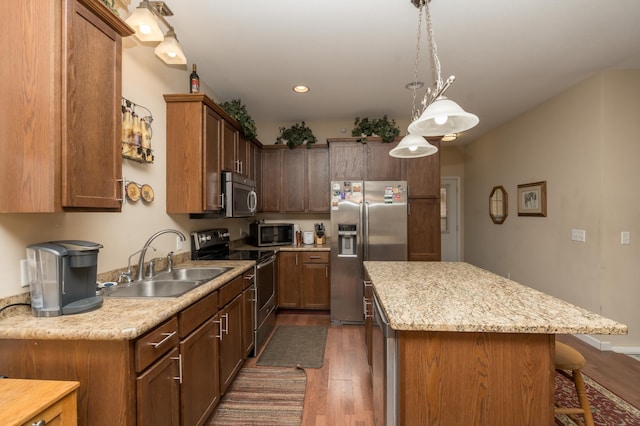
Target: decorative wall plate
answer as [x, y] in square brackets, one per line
[147, 193]
[133, 191]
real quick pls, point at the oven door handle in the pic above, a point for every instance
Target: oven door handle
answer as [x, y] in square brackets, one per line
[269, 261]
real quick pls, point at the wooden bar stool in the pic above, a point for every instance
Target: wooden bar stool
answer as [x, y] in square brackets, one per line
[569, 362]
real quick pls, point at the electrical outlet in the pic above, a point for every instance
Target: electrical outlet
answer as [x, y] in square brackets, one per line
[24, 275]
[178, 243]
[625, 237]
[579, 235]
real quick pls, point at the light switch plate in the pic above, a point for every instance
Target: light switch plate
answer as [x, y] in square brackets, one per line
[579, 235]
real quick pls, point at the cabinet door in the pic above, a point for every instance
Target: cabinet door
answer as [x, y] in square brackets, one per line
[158, 392]
[91, 154]
[293, 177]
[211, 152]
[271, 179]
[243, 159]
[288, 280]
[379, 164]
[229, 146]
[368, 316]
[248, 319]
[200, 389]
[230, 346]
[315, 286]
[423, 175]
[423, 229]
[346, 160]
[318, 180]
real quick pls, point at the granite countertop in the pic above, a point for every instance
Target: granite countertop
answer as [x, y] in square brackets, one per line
[457, 296]
[117, 318]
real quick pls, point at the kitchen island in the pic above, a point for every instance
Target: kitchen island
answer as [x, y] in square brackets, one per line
[468, 346]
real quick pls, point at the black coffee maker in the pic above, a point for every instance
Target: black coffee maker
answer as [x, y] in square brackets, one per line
[62, 276]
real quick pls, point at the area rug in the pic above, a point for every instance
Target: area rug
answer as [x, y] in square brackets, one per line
[295, 345]
[263, 396]
[607, 408]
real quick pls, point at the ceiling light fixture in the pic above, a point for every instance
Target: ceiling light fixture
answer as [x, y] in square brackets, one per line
[300, 88]
[143, 19]
[449, 137]
[441, 115]
[413, 145]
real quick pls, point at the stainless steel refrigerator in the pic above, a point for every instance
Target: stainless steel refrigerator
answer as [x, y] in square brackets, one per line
[368, 222]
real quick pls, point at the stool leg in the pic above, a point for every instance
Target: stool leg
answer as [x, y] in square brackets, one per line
[582, 397]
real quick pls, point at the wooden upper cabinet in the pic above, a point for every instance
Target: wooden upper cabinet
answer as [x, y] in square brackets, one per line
[271, 181]
[193, 154]
[353, 160]
[229, 148]
[318, 179]
[346, 160]
[60, 129]
[295, 180]
[423, 175]
[379, 164]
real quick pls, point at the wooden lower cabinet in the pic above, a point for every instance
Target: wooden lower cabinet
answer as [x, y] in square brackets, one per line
[304, 280]
[248, 318]
[172, 375]
[200, 391]
[158, 392]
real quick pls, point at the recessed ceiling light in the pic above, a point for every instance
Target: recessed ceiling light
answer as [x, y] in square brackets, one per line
[300, 88]
[449, 137]
[414, 85]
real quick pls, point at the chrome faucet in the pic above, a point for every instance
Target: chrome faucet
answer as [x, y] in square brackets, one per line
[143, 251]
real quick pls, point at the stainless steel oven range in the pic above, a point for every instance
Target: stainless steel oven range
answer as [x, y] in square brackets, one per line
[213, 244]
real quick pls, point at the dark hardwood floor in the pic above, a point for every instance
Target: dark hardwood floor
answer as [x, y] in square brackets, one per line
[617, 372]
[340, 392]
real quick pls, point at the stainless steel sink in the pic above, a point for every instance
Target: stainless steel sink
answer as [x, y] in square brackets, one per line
[191, 274]
[168, 284]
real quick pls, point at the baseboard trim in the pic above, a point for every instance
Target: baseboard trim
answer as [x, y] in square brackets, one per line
[604, 345]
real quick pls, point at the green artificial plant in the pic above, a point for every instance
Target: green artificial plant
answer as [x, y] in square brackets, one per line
[238, 112]
[295, 135]
[387, 129]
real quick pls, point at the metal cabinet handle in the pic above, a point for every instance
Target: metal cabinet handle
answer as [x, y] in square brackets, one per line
[39, 423]
[219, 336]
[226, 323]
[167, 337]
[367, 283]
[315, 257]
[249, 277]
[179, 359]
[326, 271]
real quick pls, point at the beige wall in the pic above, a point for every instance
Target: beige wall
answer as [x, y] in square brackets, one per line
[584, 143]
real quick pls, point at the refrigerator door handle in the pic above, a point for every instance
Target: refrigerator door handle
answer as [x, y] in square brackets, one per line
[365, 231]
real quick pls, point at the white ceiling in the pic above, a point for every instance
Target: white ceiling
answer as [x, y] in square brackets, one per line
[357, 55]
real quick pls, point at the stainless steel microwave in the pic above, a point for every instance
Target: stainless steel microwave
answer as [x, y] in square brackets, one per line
[239, 195]
[271, 234]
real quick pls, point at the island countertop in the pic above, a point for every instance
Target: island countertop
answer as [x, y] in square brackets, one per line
[457, 296]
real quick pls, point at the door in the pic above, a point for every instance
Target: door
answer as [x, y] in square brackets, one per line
[449, 224]
[385, 220]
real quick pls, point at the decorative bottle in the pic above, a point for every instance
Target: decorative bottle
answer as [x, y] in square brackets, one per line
[194, 87]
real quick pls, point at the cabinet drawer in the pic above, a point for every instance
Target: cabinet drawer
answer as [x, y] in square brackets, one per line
[230, 290]
[315, 257]
[156, 343]
[190, 318]
[248, 278]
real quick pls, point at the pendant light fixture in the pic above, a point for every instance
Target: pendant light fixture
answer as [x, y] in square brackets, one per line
[145, 23]
[413, 145]
[441, 115]
[144, 20]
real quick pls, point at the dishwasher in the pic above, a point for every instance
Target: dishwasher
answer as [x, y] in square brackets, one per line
[384, 368]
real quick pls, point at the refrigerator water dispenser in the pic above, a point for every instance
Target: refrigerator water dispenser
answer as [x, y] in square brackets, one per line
[347, 240]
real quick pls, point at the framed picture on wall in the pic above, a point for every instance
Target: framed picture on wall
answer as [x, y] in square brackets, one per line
[532, 199]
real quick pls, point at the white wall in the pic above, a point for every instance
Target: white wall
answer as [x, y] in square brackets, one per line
[584, 143]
